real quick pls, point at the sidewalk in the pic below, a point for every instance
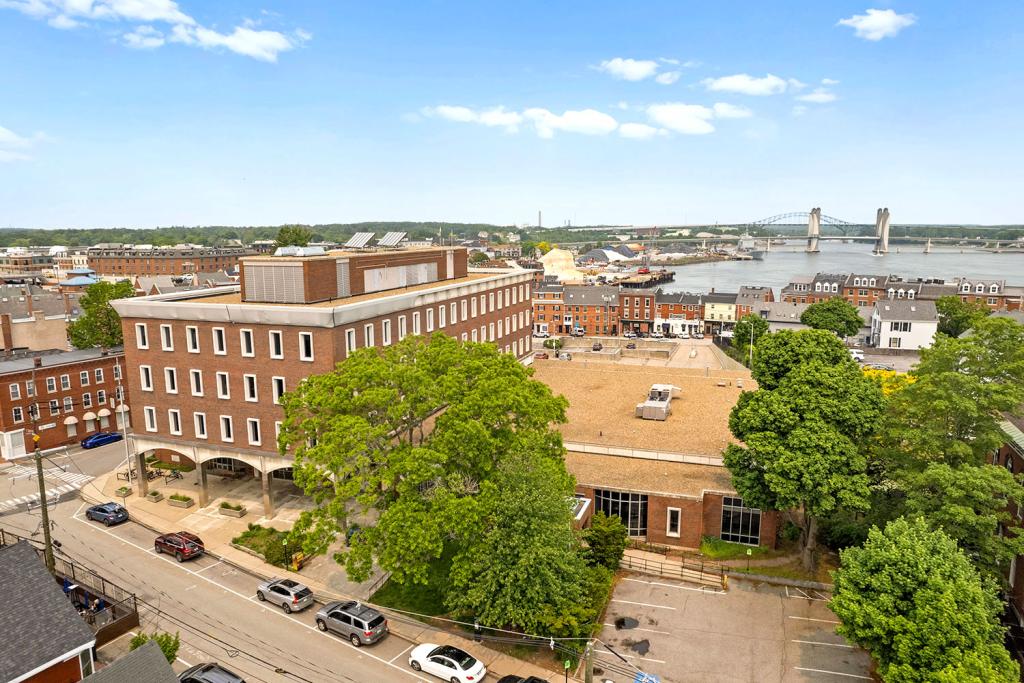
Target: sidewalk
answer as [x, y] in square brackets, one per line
[322, 574]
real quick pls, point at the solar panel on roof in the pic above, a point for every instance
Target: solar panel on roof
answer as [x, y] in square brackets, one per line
[359, 240]
[392, 239]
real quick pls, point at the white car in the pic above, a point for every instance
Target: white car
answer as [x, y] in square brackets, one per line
[447, 662]
[684, 335]
[657, 335]
[857, 355]
[541, 335]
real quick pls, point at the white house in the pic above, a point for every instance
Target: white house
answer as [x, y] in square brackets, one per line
[907, 324]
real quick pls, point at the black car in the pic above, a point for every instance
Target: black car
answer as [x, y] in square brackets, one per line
[209, 673]
[520, 679]
[108, 513]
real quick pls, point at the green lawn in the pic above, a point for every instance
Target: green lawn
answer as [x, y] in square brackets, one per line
[717, 549]
[422, 599]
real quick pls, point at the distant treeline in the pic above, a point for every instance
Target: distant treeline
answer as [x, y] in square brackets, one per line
[217, 234]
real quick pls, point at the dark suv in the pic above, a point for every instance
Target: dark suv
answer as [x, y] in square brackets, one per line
[362, 625]
[209, 673]
[182, 544]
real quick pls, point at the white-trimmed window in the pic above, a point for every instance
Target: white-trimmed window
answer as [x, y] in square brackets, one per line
[403, 329]
[65, 382]
[69, 404]
[192, 338]
[220, 343]
[171, 380]
[150, 414]
[463, 305]
[174, 421]
[248, 347]
[453, 314]
[223, 385]
[442, 317]
[385, 332]
[166, 338]
[483, 304]
[196, 380]
[54, 407]
[306, 346]
[199, 424]
[491, 328]
[368, 335]
[98, 375]
[51, 385]
[30, 388]
[465, 336]
[87, 400]
[18, 414]
[350, 341]
[472, 302]
[117, 371]
[483, 333]
[141, 336]
[227, 429]
[253, 427]
[15, 389]
[277, 430]
[490, 301]
[83, 378]
[474, 335]
[673, 522]
[101, 397]
[278, 388]
[251, 393]
[501, 297]
[501, 329]
[146, 377]
[276, 344]
[416, 322]
[430, 320]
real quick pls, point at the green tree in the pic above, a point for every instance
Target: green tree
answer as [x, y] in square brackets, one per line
[606, 539]
[957, 316]
[169, 644]
[912, 599]
[835, 314]
[99, 324]
[749, 329]
[293, 236]
[478, 257]
[777, 353]
[804, 442]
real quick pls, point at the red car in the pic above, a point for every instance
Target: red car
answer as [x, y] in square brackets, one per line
[183, 545]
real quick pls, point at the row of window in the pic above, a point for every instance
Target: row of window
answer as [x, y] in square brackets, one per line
[979, 288]
[65, 383]
[223, 383]
[491, 332]
[68, 405]
[253, 430]
[246, 344]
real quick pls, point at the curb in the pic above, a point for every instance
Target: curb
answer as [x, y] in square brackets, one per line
[780, 581]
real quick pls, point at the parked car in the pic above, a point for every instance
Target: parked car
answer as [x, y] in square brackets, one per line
[541, 335]
[108, 513]
[101, 439]
[597, 346]
[657, 334]
[359, 623]
[291, 596]
[520, 679]
[857, 355]
[684, 335]
[631, 345]
[629, 334]
[880, 366]
[209, 673]
[541, 355]
[447, 662]
[579, 332]
[182, 544]
[698, 335]
[565, 355]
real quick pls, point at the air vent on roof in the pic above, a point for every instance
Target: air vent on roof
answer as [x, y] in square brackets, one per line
[299, 251]
[359, 240]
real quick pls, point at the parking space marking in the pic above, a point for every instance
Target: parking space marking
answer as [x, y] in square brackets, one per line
[711, 591]
[250, 597]
[645, 630]
[815, 642]
[642, 659]
[210, 567]
[824, 621]
[400, 654]
[834, 673]
[804, 595]
[644, 604]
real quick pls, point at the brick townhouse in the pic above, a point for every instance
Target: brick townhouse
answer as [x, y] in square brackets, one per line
[208, 366]
[749, 299]
[678, 312]
[565, 309]
[63, 397]
[637, 310]
[995, 294]
[129, 260]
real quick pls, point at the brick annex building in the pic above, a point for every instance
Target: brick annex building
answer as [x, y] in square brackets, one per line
[128, 260]
[208, 366]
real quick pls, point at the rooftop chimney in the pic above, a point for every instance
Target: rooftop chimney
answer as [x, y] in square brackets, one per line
[37, 362]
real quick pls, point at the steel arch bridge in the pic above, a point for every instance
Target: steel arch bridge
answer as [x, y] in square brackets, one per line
[797, 217]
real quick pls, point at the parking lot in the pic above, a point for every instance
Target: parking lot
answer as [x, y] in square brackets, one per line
[753, 632]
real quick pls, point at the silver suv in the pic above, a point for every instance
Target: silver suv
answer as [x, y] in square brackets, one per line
[290, 595]
[362, 625]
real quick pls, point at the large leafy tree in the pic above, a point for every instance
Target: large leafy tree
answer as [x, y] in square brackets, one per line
[778, 353]
[912, 599]
[804, 438]
[415, 432]
[835, 314]
[293, 236]
[607, 538]
[957, 316]
[99, 324]
[748, 331]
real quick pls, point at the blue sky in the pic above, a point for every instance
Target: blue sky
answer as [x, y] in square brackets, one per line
[154, 112]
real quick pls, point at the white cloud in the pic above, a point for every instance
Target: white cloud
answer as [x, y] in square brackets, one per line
[494, 117]
[623, 105]
[452, 113]
[499, 116]
[794, 84]
[583, 121]
[246, 39]
[14, 147]
[629, 69]
[144, 38]
[723, 110]
[878, 23]
[668, 78]
[689, 119]
[829, 81]
[668, 60]
[746, 84]
[639, 131]
[818, 96]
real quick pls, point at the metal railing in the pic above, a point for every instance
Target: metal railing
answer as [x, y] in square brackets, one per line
[710, 574]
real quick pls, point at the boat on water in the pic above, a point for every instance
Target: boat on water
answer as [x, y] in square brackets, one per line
[757, 254]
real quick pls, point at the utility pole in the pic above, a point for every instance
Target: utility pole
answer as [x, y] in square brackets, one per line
[588, 669]
[47, 541]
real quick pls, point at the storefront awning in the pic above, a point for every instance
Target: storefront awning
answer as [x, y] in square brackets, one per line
[122, 409]
[72, 420]
[89, 416]
[103, 412]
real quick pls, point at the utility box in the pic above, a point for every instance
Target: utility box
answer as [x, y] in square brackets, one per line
[658, 405]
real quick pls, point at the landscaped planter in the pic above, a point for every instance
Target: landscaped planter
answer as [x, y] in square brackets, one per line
[124, 491]
[231, 512]
[177, 503]
[154, 496]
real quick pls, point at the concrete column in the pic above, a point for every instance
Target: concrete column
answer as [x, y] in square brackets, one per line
[141, 482]
[268, 499]
[204, 494]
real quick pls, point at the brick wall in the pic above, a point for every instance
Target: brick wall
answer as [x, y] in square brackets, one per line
[68, 671]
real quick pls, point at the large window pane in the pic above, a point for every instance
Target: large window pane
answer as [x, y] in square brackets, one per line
[631, 508]
[740, 524]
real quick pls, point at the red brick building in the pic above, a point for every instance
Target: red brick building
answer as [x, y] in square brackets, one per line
[565, 309]
[208, 366]
[63, 397]
[128, 261]
[637, 309]
[995, 294]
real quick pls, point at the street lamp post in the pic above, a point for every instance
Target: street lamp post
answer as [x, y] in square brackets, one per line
[47, 541]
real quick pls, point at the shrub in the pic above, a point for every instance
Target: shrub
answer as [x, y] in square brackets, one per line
[790, 532]
[553, 344]
[238, 507]
[606, 540]
[180, 497]
[276, 553]
[168, 644]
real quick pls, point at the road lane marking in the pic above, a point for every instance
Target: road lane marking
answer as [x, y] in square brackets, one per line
[179, 659]
[644, 604]
[400, 654]
[210, 567]
[824, 621]
[815, 642]
[253, 597]
[834, 673]
[645, 630]
[682, 588]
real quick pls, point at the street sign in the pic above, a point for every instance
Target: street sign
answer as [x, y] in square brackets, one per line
[567, 664]
[48, 425]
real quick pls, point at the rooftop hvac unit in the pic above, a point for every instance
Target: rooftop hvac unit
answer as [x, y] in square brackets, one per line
[299, 251]
[658, 404]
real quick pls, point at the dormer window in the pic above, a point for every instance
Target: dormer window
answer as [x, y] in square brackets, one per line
[871, 282]
[980, 288]
[856, 282]
[965, 288]
[835, 287]
[910, 294]
[817, 286]
[994, 289]
[892, 292]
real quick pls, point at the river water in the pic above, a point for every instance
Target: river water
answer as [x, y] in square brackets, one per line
[781, 264]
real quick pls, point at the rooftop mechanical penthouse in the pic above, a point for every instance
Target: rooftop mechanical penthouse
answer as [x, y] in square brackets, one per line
[210, 365]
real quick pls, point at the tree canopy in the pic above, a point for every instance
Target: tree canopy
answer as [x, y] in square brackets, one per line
[99, 325]
[912, 599]
[957, 316]
[293, 236]
[836, 314]
[778, 353]
[750, 326]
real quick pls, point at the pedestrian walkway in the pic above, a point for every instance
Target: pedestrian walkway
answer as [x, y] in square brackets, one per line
[73, 481]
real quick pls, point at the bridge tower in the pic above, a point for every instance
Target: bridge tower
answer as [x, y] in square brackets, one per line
[813, 230]
[881, 232]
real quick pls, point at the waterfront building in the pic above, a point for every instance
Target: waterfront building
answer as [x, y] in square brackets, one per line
[904, 324]
[719, 312]
[637, 310]
[126, 260]
[749, 299]
[678, 312]
[995, 294]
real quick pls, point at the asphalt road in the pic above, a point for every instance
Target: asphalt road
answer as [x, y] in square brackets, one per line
[211, 604]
